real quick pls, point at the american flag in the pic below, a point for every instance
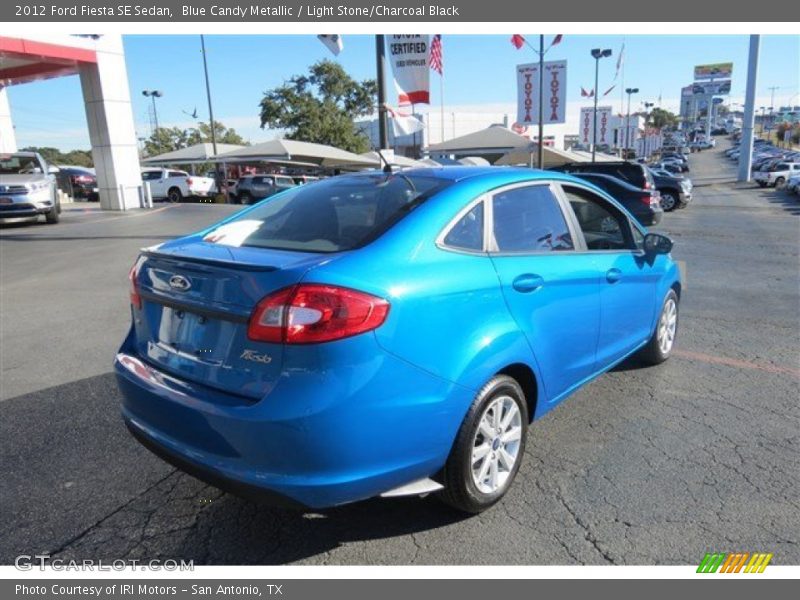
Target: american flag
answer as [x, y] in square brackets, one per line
[436, 54]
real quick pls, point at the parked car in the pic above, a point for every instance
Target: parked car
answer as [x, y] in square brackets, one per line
[28, 187]
[643, 204]
[388, 333]
[304, 179]
[174, 185]
[793, 184]
[634, 173]
[675, 192]
[251, 188]
[671, 167]
[777, 174]
[78, 182]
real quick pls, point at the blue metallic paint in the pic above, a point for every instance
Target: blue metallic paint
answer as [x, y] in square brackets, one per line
[331, 423]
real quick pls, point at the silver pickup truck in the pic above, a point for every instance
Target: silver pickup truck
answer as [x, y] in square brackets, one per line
[27, 187]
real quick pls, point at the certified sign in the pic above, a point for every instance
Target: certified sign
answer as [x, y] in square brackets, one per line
[410, 56]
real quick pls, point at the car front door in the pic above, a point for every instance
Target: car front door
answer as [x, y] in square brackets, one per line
[628, 278]
[550, 287]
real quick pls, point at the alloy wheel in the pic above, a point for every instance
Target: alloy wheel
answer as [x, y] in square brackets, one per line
[667, 201]
[496, 445]
[667, 326]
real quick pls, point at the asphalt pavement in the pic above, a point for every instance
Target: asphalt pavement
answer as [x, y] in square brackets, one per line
[643, 466]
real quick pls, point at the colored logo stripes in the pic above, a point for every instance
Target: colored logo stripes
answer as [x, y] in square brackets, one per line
[734, 562]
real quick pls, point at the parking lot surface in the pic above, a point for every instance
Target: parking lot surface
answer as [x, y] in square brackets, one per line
[643, 466]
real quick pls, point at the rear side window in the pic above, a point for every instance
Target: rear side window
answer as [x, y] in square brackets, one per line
[529, 219]
[177, 174]
[467, 233]
[333, 215]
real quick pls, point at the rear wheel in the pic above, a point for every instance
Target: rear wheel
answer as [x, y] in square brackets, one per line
[174, 195]
[659, 348]
[779, 182]
[245, 198]
[489, 447]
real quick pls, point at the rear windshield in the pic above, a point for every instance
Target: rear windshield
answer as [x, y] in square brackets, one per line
[333, 215]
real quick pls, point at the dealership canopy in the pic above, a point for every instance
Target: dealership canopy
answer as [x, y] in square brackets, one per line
[199, 153]
[552, 157]
[397, 160]
[293, 152]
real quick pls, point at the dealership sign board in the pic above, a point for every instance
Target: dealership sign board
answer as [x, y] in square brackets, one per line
[555, 93]
[409, 55]
[604, 131]
[713, 71]
[712, 88]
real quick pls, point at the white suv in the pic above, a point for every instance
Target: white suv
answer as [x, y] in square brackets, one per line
[777, 175]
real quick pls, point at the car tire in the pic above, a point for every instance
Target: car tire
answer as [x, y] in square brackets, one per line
[779, 182]
[52, 217]
[669, 201]
[659, 348]
[471, 484]
[762, 184]
[174, 195]
[245, 198]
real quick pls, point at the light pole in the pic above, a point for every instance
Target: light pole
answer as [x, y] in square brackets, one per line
[630, 92]
[597, 54]
[153, 94]
[647, 108]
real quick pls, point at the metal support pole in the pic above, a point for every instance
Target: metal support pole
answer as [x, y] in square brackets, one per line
[594, 118]
[746, 154]
[541, 102]
[383, 130]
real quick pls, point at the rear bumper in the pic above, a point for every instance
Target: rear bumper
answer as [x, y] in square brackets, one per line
[321, 437]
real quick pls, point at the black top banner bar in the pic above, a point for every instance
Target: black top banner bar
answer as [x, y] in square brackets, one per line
[328, 11]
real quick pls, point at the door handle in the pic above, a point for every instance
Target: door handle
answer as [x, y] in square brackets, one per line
[527, 283]
[613, 275]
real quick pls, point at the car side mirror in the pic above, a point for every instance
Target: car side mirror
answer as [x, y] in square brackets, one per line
[656, 243]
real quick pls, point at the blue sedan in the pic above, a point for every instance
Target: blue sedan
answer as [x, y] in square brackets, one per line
[387, 333]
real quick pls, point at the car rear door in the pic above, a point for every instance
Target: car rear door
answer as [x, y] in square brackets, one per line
[627, 278]
[550, 287]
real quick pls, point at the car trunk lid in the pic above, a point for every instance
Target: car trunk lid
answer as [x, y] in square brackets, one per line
[196, 300]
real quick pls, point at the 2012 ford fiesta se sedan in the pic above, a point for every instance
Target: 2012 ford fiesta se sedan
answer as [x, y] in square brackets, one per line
[387, 333]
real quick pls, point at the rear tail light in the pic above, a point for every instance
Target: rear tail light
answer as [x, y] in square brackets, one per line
[82, 178]
[651, 199]
[188, 181]
[133, 278]
[310, 313]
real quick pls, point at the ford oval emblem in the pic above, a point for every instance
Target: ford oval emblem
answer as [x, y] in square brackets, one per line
[180, 283]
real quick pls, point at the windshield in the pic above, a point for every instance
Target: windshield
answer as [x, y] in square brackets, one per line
[13, 164]
[336, 214]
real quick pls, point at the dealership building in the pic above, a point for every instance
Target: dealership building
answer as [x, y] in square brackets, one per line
[99, 62]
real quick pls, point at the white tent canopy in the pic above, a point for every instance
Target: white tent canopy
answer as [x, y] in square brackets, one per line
[198, 153]
[298, 153]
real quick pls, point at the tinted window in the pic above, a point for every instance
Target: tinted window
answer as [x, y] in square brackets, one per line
[177, 174]
[151, 175]
[603, 226]
[340, 213]
[467, 233]
[529, 219]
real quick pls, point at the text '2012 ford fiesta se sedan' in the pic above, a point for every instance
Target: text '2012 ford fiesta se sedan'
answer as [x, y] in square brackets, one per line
[387, 333]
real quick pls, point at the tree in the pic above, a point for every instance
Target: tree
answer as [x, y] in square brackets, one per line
[224, 135]
[167, 139]
[54, 156]
[661, 117]
[321, 107]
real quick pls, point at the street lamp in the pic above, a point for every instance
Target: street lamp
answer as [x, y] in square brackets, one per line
[630, 92]
[153, 94]
[597, 54]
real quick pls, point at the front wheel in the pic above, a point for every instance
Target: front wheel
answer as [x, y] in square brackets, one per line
[659, 348]
[489, 447]
[779, 182]
[668, 201]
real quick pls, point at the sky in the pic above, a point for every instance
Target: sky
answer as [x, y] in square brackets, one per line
[479, 73]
